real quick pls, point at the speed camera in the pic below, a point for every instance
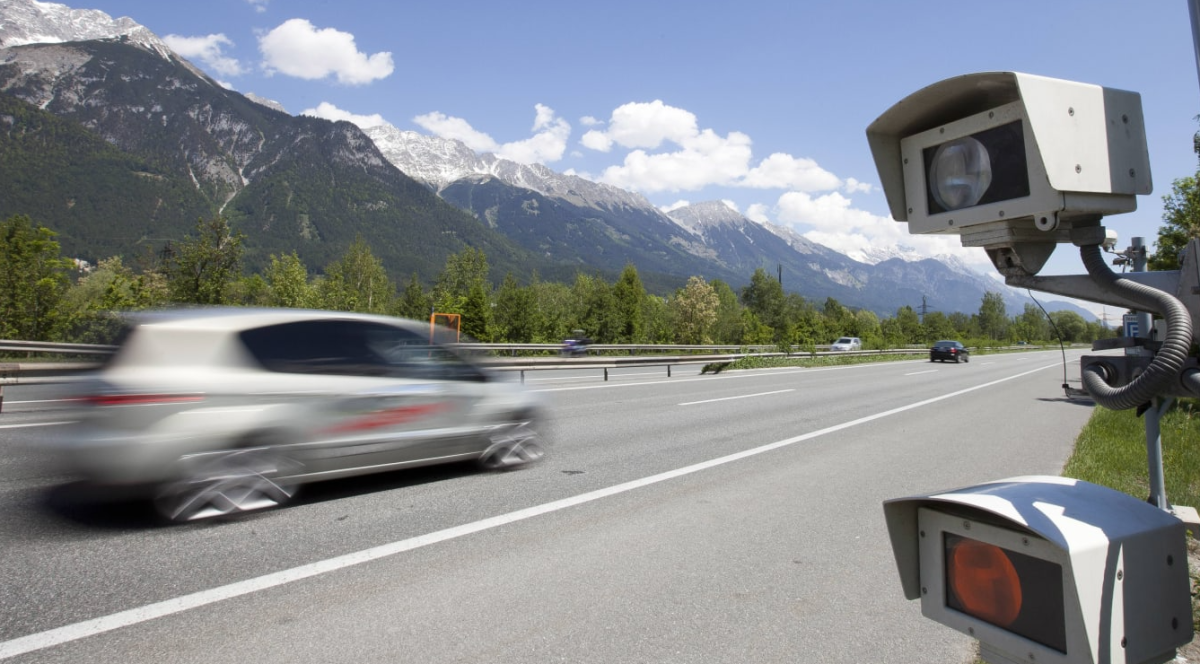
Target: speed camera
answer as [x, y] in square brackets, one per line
[1047, 570]
[1012, 162]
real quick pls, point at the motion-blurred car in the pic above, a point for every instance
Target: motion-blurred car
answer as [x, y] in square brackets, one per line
[220, 411]
[576, 346]
[847, 343]
[949, 350]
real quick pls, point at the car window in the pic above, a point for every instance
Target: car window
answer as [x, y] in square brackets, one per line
[353, 348]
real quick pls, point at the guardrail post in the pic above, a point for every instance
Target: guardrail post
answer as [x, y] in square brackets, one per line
[522, 376]
[668, 371]
[1, 397]
[606, 374]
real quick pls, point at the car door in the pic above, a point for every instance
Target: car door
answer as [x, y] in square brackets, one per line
[371, 400]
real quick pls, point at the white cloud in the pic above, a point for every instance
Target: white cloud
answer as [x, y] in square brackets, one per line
[589, 121]
[852, 186]
[681, 203]
[328, 111]
[669, 152]
[783, 171]
[547, 144]
[259, 6]
[297, 48]
[758, 212]
[596, 140]
[641, 125]
[731, 205]
[208, 51]
[833, 221]
[459, 129]
[705, 159]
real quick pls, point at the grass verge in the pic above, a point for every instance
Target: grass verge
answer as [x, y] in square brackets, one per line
[1111, 451]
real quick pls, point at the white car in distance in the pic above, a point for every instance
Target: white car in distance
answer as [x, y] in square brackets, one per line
[846, 343]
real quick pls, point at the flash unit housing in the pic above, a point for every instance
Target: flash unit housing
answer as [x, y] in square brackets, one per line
[1104, 576]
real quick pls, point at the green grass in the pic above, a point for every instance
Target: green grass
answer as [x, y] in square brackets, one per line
[818, 361]
[1111, 451]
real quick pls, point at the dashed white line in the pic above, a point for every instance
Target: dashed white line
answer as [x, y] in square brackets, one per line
[918, 373]
[740, 396]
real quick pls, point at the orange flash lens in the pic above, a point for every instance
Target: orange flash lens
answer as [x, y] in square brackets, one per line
[985, 581]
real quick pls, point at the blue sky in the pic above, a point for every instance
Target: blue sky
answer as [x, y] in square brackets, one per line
[762, 104]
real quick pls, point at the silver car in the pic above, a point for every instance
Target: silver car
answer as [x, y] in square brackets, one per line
[221, 411]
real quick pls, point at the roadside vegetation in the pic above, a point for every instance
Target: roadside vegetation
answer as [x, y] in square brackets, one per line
[45, 296]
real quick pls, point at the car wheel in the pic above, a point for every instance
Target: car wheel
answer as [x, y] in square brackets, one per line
[513, 445]
[956, 359]
[966, 358]
[225, 483]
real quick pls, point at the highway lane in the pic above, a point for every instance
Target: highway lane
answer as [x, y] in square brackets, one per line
[670, 546]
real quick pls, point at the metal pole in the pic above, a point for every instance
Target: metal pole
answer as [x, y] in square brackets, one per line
[1158, 405]
[1194, 11]
[1154, 457]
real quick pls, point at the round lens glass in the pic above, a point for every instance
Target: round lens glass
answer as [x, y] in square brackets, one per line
[961, 173]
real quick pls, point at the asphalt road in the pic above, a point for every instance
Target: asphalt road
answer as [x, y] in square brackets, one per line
[727, 518]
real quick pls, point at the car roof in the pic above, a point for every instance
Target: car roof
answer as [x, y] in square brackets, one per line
[240, 318]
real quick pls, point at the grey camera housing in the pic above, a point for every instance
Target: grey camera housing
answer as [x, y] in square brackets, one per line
[1084, 152]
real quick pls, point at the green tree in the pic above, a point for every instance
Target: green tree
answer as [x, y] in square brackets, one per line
[596, 312]
[993, 316]
[462, 288]
[201, 268]
[93, 304]
[356, 282]
[695, 307]
[1031, 325]
[937, 326]
[727, 329]
[909, 328]
[414, 302]
[630, 297]
[764, 298]
[33, 279]
[1070, 325]
[287, 282]
[1181, 217]
[515, 319]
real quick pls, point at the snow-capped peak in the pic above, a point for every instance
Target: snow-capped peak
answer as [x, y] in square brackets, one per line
[32, 22]
[707, 214]
[269, 103]
[438, 162]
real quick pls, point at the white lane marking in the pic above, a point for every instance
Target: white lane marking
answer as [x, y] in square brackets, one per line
[35, 424]
[984, 364]
[918, 373]
[40, 401]
[86, 628]
[742, 396]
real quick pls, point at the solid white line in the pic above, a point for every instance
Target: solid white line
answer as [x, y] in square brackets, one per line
[743, 396]
[86, 628]
[918, 373]
[35, 424]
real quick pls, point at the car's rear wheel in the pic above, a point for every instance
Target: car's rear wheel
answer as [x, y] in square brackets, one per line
[513, 445]
[226, 483]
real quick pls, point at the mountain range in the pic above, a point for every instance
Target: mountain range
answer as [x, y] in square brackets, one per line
[120, 145]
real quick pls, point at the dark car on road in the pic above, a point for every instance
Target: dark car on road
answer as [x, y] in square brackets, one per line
[949, 350]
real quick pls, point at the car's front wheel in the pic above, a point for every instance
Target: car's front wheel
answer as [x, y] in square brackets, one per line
[512, 445]
[225, 483]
